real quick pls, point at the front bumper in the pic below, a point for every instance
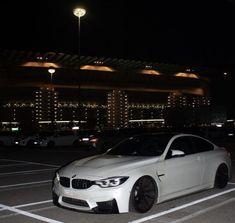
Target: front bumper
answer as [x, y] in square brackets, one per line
[93, 199]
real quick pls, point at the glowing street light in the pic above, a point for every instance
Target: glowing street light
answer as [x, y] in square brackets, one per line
[51, 71]
[79, 12]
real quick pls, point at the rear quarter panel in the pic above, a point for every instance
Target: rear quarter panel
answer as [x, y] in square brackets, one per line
[213, 159]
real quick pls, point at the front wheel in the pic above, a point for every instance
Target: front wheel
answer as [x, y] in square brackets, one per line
[143, 195]
[221, 178]
[29, 144]
[55, 199]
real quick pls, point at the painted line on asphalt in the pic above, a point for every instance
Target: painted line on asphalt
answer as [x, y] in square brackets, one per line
[16, 164]
[23, 161]
[29, 204]
[27, 172]
[203, 211]
[25, 184]
[181, 207]
[28, 214]
[32, 204]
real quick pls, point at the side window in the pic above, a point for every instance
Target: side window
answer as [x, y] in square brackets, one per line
[201, 145]
[151, 147]
[182, 144]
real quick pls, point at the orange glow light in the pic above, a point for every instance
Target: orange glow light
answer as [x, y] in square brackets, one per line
[41, 64]
[151, 72]
[189, 75]
[98, 68]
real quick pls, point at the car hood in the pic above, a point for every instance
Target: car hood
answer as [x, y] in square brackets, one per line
[96, 167]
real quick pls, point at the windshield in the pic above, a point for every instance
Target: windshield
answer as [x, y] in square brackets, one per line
[143, 145]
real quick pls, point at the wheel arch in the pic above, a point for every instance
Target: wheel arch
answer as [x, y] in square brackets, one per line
[224, 166]
[154, 181]
[155, 187]
[51, 143]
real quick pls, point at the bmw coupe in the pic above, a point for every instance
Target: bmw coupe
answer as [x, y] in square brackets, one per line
[140, 171]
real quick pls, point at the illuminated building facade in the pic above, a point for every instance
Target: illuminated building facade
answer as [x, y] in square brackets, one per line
[117, 109]
[46, 107]
[146, 93]
[147, 115]
[16, 113]
[93, 115]
[183, 101]
[187, 110]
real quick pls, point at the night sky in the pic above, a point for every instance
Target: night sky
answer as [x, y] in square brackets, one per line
[197, 33]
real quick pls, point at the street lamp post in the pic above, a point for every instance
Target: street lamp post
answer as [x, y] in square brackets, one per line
[79, 12]
[52, 102]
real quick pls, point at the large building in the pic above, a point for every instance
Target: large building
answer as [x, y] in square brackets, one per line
[46, 107]
[117, 109]
[102, 93]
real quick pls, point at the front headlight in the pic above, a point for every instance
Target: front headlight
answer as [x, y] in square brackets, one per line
[111, 182]
[57, 177]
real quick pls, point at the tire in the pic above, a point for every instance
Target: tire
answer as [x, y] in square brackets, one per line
[143, 195]
[50, 144]
[75, 143]
[55, 199]
[29, 144]
[221, 177]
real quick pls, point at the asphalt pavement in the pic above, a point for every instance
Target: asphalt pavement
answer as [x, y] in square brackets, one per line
[25, 194]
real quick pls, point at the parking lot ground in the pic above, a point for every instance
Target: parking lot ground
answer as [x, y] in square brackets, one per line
[25, 196]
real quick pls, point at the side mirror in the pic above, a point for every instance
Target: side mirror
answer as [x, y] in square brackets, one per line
[177, 153]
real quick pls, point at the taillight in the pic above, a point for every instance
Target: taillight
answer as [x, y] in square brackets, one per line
[228, 152]
[95, 140]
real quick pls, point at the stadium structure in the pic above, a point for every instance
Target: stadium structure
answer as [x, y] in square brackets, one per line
[42, 90]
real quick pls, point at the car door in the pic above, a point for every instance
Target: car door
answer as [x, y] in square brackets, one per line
[205, 150]
[182, 173]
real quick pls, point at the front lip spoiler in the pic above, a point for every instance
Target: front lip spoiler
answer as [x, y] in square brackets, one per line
[104, 207]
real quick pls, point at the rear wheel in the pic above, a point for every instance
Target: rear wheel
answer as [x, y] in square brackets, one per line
[143, 195]
[50, 144]
[75, 143]
[221, 177]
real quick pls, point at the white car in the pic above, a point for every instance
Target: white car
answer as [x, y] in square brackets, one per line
[64, 138]
[7, 138]
[140, 171]
[25, 140]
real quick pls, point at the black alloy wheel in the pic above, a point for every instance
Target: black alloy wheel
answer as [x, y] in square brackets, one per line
[221, 178]
[143, 195]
